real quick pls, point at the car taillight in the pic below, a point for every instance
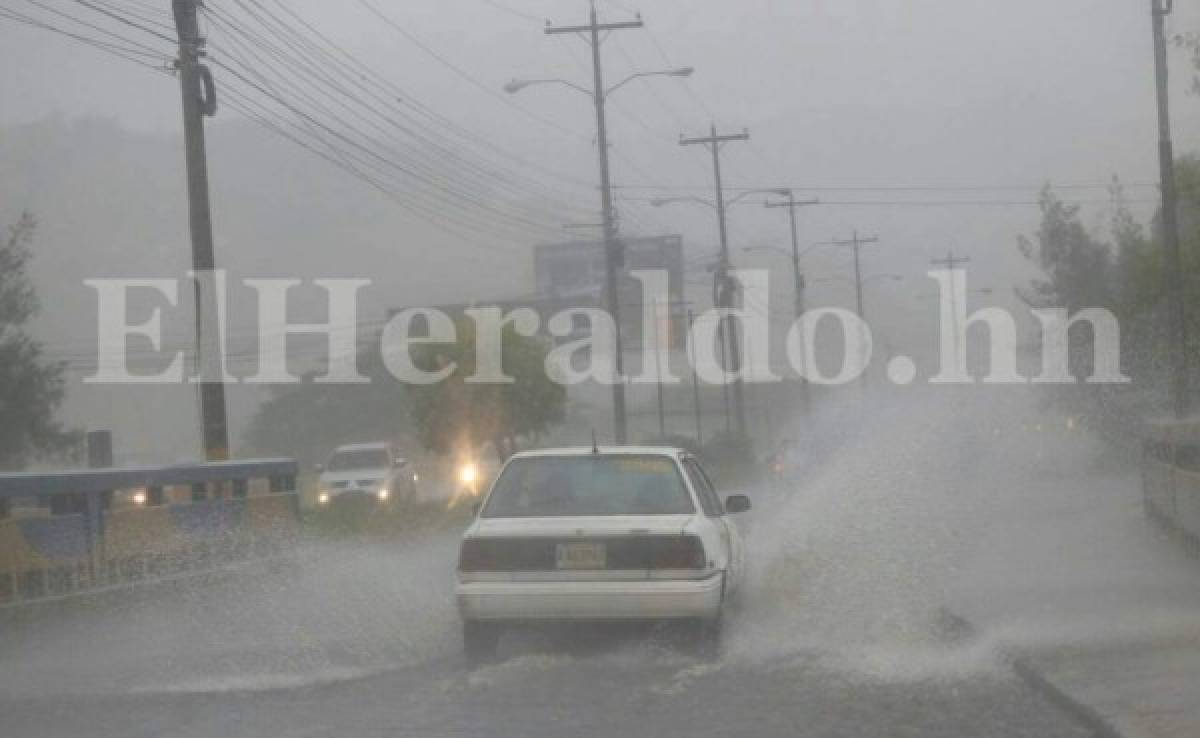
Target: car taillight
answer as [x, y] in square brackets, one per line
[679, 552]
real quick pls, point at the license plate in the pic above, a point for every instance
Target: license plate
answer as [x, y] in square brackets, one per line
[580, 556]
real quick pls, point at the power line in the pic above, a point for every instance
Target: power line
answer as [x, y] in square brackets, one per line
[904, 188]
[125, 53]
[320, 74]
[943, 203]
[125, 21]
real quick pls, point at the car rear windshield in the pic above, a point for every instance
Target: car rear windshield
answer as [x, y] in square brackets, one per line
[558, 486]
[360, 459]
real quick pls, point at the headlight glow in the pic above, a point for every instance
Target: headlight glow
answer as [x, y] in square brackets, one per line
[383, 494]
[139, 498]
[467, 473]
[323, 498]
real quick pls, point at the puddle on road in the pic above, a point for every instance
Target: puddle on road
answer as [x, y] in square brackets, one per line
[853, 567]
[849, 570]
[353, 609]
[250, 683]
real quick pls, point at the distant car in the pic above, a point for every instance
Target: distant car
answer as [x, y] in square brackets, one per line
[608, 534]
[373, 471]
[782, 464]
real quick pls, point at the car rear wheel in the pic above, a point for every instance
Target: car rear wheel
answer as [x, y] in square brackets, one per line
[480, 641]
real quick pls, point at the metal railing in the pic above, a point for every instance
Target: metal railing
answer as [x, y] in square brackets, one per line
[69, 532]
[1171, 477]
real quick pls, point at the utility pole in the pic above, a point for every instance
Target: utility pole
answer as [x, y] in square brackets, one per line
[724, 283]
[951, 262]
[614, 256]
[199, 101]
[797, 274]
[857, 243]
[695, 378]
[662, 417]
[1173, 274]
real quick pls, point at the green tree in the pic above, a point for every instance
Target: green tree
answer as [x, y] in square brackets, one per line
[454, 415]
[1141, 275]
[1078, 268]
[31, 388]
[308, 420]
[1191, 43]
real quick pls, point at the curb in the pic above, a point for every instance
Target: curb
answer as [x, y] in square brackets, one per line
[1083, 713]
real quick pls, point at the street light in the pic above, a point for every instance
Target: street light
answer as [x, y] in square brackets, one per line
[658, 202]
[516, 85]
[613, 255]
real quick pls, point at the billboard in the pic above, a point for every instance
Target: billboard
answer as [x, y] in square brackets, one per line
[572, 274]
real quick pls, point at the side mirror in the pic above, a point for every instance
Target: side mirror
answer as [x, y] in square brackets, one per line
[735, 504]
[318, 468]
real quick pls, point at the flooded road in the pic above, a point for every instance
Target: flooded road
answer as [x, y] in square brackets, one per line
[912, 511]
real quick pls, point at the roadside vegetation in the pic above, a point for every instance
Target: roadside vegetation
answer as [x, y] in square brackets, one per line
[1119, 268]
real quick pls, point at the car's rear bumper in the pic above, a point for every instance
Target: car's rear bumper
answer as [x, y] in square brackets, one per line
[591, 600]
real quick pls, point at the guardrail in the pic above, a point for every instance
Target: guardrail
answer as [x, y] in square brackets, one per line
[1171, 477]
[69, 532]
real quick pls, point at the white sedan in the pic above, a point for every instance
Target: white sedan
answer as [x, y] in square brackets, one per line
[601, 534]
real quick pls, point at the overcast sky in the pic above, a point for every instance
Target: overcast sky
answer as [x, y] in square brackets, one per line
[846, 94]
[835, 94]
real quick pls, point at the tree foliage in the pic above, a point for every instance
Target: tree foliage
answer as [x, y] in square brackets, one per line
[1191, 43]
[1124, 274]
[1077, 267]
[455, 415]
[1141, 277]
[308, 420]
[31, 388]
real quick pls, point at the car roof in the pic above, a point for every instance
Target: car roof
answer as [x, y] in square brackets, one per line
[376, 446]
[602, 451]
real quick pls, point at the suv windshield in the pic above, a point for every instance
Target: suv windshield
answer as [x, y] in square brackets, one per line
[558, 486]
[362, 459]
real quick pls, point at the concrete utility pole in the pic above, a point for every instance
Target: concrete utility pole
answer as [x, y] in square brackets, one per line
[1173, 269]
[724, 283]
[857, 243]
[951, 262]
[199, 101]
[695, 380]
[658, 374]
[797, 274]
[614, 256]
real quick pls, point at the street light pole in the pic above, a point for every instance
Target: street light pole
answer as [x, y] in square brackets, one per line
[951, 264]
[857, 243]
[613, 251]
[1176, 319]
[797, 275]
[724, 282]
[695, 379]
